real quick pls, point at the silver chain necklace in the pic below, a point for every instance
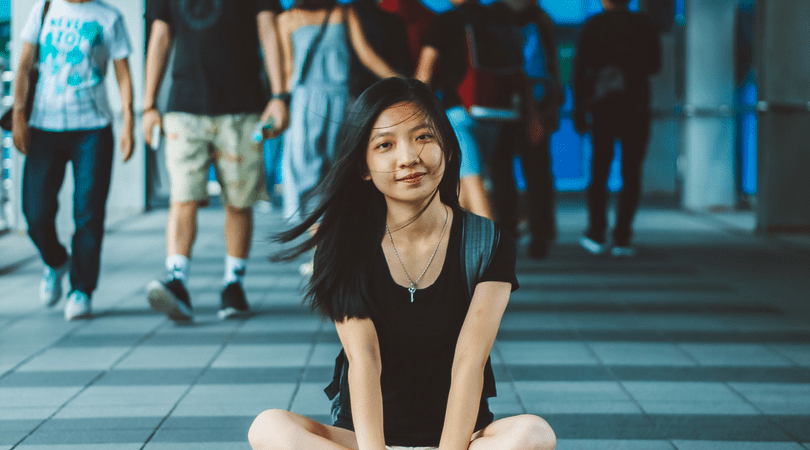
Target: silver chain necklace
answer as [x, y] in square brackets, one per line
[414, 283]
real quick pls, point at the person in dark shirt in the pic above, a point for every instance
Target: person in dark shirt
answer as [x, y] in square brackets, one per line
[389, 273]
[443, 65]
[216, 105]
[386, 34]
[531, 138]
[617, 53]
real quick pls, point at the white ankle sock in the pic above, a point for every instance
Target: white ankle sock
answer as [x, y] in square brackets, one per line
[177, 265]
[234, 270]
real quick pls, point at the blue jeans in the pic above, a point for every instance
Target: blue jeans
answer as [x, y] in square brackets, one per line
[91, 153]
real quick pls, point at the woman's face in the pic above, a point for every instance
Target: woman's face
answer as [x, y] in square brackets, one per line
[404, 159]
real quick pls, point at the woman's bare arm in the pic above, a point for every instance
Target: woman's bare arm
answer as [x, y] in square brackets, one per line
[359, 339]
[287, 57]
[472, 351]
[19, 125]
[426, 65]
[367, 55]
[269, 37]
[124, 78]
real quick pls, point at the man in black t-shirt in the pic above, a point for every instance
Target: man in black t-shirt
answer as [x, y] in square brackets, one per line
[526, 138]
[617, 53]
[216, 106]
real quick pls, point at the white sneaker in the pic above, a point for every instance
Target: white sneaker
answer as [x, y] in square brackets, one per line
[77, 306]
[305, 269]
[50, 288]
[592, 246]
[623, 252]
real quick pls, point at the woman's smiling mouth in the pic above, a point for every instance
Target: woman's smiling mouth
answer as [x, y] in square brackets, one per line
[412, 178]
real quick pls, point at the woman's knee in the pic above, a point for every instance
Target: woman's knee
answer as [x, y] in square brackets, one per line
[534, 433]
[269, 429]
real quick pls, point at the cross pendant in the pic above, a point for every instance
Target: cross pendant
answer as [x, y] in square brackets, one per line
[412, 289]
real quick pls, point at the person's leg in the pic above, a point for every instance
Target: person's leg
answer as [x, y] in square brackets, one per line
[540, 190]
[524, 432]
[181, 228]
[634, 145]
[473, 195]
[43, 174]
[238, 231]
[240, 171]
[92, 169]
[188, 144]
[277, 429]
[504, 191]
[603, 138]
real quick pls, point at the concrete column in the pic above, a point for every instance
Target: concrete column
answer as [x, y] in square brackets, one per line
[128, 191]
[708, 155]
[783, 65]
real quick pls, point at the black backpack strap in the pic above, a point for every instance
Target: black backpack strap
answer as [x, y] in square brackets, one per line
[479, 239]
[315, 43]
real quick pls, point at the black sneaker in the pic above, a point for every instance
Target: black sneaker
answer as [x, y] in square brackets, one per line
[170, 298]
[234, 302]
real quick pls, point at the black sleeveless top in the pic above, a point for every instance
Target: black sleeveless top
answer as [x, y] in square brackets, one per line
[417, 344]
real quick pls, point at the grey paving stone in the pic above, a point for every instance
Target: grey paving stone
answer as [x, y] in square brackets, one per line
[117, 446]
[145, 377]
[189, 435]
[103, 436]
[605, 444]
[100, 423]
[50, 378]
[714, 445]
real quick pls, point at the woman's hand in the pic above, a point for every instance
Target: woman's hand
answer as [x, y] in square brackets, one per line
[20, 131]
[151, 119]
[277, 111]
[127, 137]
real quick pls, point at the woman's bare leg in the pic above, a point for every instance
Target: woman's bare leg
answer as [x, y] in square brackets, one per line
[277, 429]
[473, 196]
[524, 432]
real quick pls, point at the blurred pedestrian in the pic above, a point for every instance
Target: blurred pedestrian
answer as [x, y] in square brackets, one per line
[315, 35]
[70, 122]
[215, 107]
[531, 137]
[415, 286]
[386, 33]
[617, 53]
[444, 65]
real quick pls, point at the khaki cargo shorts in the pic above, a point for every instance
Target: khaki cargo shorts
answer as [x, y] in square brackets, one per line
[195, 141]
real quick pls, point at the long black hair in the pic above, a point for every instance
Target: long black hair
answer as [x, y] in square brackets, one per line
[352, 212]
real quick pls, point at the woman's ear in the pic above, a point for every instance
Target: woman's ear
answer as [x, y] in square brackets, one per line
[364, 173]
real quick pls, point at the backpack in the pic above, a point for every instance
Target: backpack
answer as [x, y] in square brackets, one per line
[479, 239]
[493, 85]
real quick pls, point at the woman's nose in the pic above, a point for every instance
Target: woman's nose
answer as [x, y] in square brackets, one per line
[409, 155]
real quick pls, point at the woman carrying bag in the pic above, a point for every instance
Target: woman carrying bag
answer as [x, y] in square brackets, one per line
[70, 122]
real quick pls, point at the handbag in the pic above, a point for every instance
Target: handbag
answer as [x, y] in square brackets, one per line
[7, 120]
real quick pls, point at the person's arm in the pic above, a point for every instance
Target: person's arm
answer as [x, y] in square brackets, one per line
[269, 38]
[19, 125]
[363, 49]
[426, 64]
[157, 57]
[285, 32]
[359, 339]
[124, 78]
[472, 351]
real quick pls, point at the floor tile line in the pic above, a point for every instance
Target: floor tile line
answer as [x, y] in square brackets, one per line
[195, 381]
[316, 339]
[511, 379]
[99, 376]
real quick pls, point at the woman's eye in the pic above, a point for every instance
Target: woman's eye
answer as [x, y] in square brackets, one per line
[424, 137]
[383, 145]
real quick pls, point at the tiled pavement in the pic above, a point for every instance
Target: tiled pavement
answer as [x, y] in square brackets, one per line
[701, 342]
